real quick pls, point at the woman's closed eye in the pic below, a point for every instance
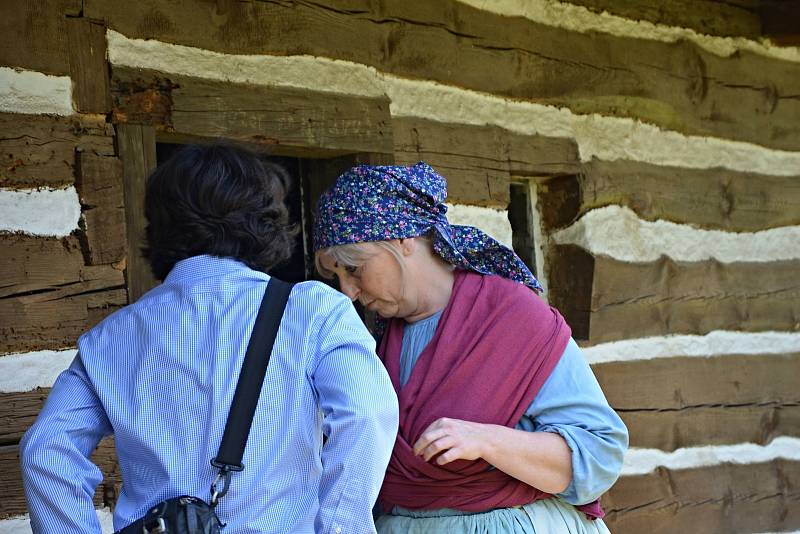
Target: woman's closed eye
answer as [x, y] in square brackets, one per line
[352, 270]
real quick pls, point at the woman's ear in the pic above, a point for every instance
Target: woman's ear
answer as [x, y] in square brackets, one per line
[407, 245]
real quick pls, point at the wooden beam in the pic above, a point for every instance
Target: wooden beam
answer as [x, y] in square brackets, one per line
[100, 187]
[620, 300]
[137, 150]
[18, 411]
[33, 35]
[745, 96]
[692, 382]
[724, 424]
[264, 115]
[758, 497]
[478, 161]
[38, 150]
[712, 198]
[33, 264]
[87, 65]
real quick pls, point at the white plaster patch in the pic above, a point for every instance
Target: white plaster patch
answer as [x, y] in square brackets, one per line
[25, 91]
[492, 221]
[617, 232]
[580, 19]
[48, 212]
[643, 461]
[607, 138]
[716, 343]
[30, 370]
[22, 523]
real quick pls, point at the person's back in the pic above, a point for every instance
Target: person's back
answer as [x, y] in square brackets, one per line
[160, 375]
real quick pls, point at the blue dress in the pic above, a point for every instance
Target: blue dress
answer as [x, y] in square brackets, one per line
[571, 404]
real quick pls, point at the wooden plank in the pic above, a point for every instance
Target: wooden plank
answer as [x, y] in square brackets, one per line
[668, 297]
[745, 96]
[724, 424]
[13, 501]
[32, 264]
[99, 185]
[265, 115]
[694, 382]
[33, 35]
[714, 198]
[570, 276]
[137, 150]
[763, 497]
[54, 319]
[737, 18]
[87, 65]
[478, 161]
[39, 150]
[18, 411]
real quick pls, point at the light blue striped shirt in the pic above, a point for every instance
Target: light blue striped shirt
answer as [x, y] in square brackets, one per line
[569, 403]
[160, 375]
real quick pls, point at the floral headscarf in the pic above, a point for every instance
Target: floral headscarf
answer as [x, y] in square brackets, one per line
[378, 203]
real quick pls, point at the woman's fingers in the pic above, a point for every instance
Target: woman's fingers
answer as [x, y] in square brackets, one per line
[451, 439]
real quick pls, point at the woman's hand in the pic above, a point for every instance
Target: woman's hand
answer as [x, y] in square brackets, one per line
[540, 459]
[454, 438]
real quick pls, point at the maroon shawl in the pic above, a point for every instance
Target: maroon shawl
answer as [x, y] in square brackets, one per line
[495, 346]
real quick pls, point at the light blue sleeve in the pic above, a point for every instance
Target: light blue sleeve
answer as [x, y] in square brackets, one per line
[59, 478]
[360, 412]
[572, 404]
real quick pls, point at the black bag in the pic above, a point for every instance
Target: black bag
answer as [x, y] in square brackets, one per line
[191, 515]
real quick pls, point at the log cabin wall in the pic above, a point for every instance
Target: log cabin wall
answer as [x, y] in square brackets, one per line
[657, 143]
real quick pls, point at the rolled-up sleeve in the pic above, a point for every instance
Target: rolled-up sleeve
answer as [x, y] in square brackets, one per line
[572, 404]
[360, 413]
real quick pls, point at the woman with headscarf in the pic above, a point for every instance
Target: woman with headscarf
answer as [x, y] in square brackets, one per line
[503, 427]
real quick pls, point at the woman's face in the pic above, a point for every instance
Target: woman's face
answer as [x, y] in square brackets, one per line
[381, 284]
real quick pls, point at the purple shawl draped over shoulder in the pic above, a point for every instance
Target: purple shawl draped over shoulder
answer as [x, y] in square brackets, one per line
[495, 346]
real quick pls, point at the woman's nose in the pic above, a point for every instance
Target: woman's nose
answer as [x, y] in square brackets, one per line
[349, 288]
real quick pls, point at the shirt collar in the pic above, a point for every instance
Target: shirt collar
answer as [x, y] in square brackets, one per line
[203, 266]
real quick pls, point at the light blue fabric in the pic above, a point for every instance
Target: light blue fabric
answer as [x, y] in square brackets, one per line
[569, 403]
[160, 375]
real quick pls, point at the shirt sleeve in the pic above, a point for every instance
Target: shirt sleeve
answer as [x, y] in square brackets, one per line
[572, 404]
[58, 476]
[360, 413]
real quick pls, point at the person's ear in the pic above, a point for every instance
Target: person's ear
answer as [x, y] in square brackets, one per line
[407, 245]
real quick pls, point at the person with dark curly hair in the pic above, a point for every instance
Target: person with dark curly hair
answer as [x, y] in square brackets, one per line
[159, 375]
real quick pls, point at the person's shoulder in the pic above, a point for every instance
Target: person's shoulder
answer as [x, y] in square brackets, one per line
[318, 296]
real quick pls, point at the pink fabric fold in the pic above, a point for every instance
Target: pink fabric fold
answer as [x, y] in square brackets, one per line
[495, 346]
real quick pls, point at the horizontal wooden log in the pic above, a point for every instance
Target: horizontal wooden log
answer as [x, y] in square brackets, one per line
[722, 424]
[632, 300]
[100, 188]
[679, 86]
[763, 497]
[13, 501]
[32, 264]
[696, 382]
[739, 18]
[266, 115]
[40, 150]
[33, 35]
[478, 161]
[53, 319]
[713, 198]
[18, 411]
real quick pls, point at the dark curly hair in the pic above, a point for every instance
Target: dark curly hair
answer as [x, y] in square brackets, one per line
[219, 199]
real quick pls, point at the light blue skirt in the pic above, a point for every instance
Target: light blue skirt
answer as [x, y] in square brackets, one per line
[549, 516]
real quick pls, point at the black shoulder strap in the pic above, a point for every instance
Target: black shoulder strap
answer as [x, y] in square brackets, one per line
[251, 377]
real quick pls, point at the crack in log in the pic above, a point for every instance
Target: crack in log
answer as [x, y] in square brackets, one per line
[692, 298]
[769, 404]
[654, 507]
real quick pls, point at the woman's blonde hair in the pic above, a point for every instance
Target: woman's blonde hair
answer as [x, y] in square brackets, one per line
[356, 254]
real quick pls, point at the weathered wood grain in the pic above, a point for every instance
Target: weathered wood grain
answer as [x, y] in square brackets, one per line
[762, 497]
[53, 319]
[137, 150]
[478, 161]
[33, 34]
[677, 86]
[737, 18]
[713, 198]
[33, 264]
[265, 115]
[694, 382]
[18, 411]
[39, 150]
[721, 424]
[88, 68]
[100, 188]
[620, 300]
[13, 501]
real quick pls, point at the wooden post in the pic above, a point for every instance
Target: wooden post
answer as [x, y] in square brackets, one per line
[87, 65]
[137, 149]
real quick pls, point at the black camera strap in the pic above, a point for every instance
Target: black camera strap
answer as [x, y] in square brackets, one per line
[248, 388]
